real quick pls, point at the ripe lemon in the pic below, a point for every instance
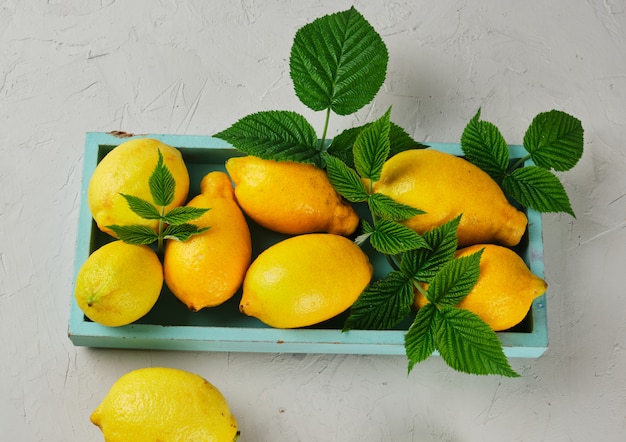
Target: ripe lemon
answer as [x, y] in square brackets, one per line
[209, 268]
[444, 186]
[289, 197]
[304, 280]
[126, 169]
[119, 283]
[505, 289]
[164, 404]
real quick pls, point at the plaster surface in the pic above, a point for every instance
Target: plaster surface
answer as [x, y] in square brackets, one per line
[195, 67]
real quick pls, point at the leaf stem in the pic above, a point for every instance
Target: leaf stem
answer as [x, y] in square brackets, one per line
[519, 163]
[419, 288]
[323, 139]
[160, 231]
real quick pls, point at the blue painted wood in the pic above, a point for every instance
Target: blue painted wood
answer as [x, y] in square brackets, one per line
[171, 326]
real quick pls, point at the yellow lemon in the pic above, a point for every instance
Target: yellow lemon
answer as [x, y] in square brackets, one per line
[445, 186]
[119, 283]
[304, 280]
[126, 169]
[166, 405]
[505, 289]
[289, 197]
[209, 268]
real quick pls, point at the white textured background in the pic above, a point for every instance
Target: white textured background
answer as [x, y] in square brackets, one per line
[68, 67]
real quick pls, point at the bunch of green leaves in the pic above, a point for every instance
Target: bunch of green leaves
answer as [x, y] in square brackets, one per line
[173, 224]
[464, 341]
[553, 141]
[338, 64]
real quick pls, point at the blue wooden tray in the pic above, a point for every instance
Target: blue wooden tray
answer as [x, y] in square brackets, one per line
[171, 326]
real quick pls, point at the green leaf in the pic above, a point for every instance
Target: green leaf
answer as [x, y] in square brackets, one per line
[399, 140]
[391, 238]
[371, 148]
[419, 341]
[469, 345]
[341, 146]
[388, 208]
[182, 232]
[141, 207]
[383, 304]
[423, 264]
[455, 280]
[484, 146]
[274, 135]
[338, 62]
[344, 179]
[162, 184]
[134, 234]
[181, 215]
[537, 188]
[555, 140]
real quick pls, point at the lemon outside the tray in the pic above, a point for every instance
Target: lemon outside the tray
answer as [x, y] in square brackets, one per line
[208, 269]
[505, 289]
[304, 280]
[167, 405]
[119, 283]
[289, 197]
[445, 186]
[126, 170]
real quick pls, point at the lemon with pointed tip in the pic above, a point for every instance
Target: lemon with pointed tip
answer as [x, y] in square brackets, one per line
[445, 186]
[208, 269]
[164, 404]
[505, 289]
[119, 283]
[304, 280]
[126, 170]
[290, 197]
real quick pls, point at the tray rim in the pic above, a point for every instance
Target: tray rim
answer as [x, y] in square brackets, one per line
[262, 340]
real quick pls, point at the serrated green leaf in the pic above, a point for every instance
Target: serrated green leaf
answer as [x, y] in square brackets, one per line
[366, 227]
[468, 344]
[537, 188]
[391, 238]
[423, 264]
[341, 146]
[181, 215]
[162, 183]
[182, 232]
[383, 304]
[455, 280]
[344, 179]
[386, 207]
[274, 135]
[399, 140]
[134, 234]
[371, 148]
[554, 140]
[141, 207]
[419, 341]
[484, 146]
[338, 62]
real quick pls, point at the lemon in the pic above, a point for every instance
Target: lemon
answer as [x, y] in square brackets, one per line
[445, 186]
[126, 170]
[165, 405]
[505, 289]
[209, 268]
[304, 280]
[119, 283]
[289, 197]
